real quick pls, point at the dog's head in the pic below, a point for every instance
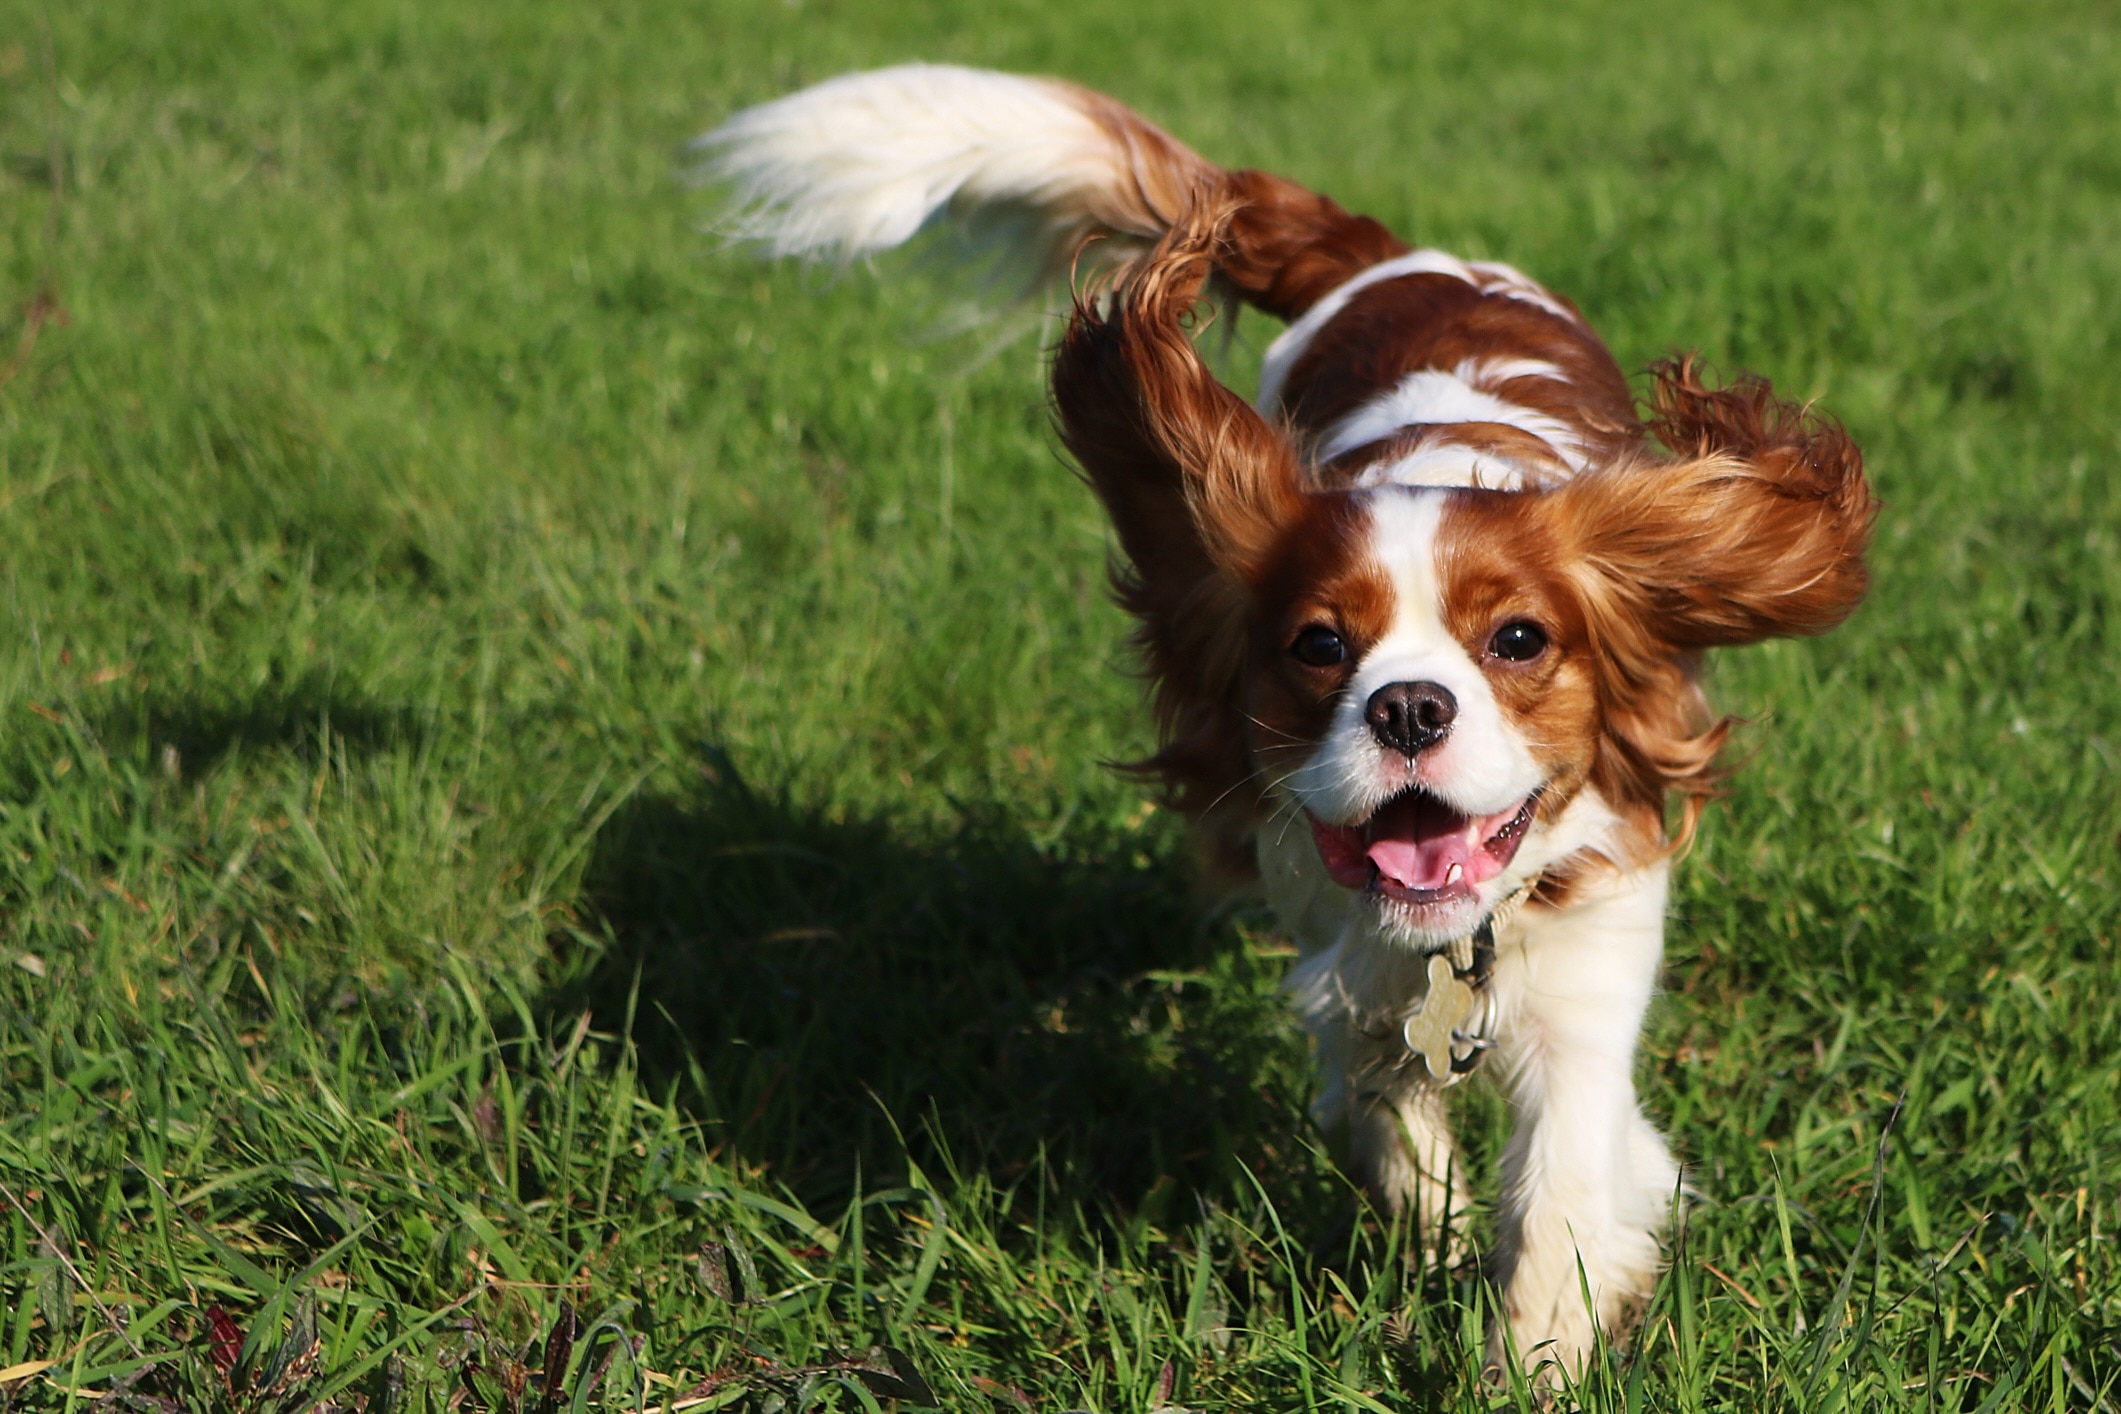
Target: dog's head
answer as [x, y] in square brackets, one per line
[1428, 678]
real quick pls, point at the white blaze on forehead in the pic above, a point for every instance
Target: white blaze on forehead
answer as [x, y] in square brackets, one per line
[1403, 528]
[1483, 765]
[1405, 524]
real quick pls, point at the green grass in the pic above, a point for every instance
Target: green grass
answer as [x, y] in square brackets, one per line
[545, 762]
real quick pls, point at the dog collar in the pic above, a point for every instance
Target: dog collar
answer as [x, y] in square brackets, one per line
[1454, 1025]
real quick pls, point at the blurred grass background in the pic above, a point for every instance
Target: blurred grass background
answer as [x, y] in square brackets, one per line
[546, 761]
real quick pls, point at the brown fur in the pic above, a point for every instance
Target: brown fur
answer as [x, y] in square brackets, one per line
[1754, 529]
[1199, 488]
[1497, 564]
[1404, 325]
[1322, 574]
[1164, 174]
[1285, 248]
[1278, 244]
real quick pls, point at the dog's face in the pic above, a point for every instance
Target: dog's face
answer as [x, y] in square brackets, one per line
[1428, 678]
[1420, 697]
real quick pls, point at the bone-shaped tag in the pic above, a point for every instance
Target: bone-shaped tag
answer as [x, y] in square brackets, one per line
[1448, 1007]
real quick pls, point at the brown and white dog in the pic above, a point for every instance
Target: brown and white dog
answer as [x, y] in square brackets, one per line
[1423, 620]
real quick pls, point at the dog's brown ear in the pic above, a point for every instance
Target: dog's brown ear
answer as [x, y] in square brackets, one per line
[1192, 476]
[1756, 529]
[1198, 486]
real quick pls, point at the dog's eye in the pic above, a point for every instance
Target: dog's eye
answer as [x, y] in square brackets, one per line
[1319, 647]
[1518, 642]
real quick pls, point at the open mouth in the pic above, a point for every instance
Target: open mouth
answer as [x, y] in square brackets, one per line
[1416, 849]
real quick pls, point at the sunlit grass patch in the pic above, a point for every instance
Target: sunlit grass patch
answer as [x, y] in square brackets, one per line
[555, 842]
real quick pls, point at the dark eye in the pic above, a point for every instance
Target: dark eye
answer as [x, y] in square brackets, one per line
[1518, 642]
[1319, 647]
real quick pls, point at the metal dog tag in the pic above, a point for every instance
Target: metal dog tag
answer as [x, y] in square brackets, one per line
[1447, 1009]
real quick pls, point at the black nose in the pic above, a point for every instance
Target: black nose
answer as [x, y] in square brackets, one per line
[1411, 716]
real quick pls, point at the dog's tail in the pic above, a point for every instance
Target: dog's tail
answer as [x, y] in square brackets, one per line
[859, 163]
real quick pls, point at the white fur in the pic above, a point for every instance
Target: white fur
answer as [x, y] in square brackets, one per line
[1485, 276]
[1586, 1178]
[860, 163]
[1462, 394]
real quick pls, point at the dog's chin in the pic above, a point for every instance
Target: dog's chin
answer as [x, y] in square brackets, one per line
[1433, 873]
[1429, 921]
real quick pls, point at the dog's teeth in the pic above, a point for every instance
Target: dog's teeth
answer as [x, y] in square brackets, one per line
[1457, 872]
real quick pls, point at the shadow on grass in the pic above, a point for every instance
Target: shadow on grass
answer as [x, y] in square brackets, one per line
[293, 714]
[820, 987]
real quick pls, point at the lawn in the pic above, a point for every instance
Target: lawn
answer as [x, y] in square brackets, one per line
[556, 848]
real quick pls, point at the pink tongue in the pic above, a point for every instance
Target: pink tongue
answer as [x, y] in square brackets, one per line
[1414, 842]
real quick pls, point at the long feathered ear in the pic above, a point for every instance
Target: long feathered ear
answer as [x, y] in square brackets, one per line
[1198, 486]
[1185, 466]
[1756, 529]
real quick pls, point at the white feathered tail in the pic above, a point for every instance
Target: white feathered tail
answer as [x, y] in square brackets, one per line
[859, 164]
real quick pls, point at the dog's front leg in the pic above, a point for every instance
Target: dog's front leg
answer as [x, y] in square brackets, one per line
[1587, 1181]
[1399, 1146]
[1352, 997]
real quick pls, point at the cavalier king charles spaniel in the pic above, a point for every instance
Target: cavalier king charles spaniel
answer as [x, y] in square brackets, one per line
[1423, 620]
